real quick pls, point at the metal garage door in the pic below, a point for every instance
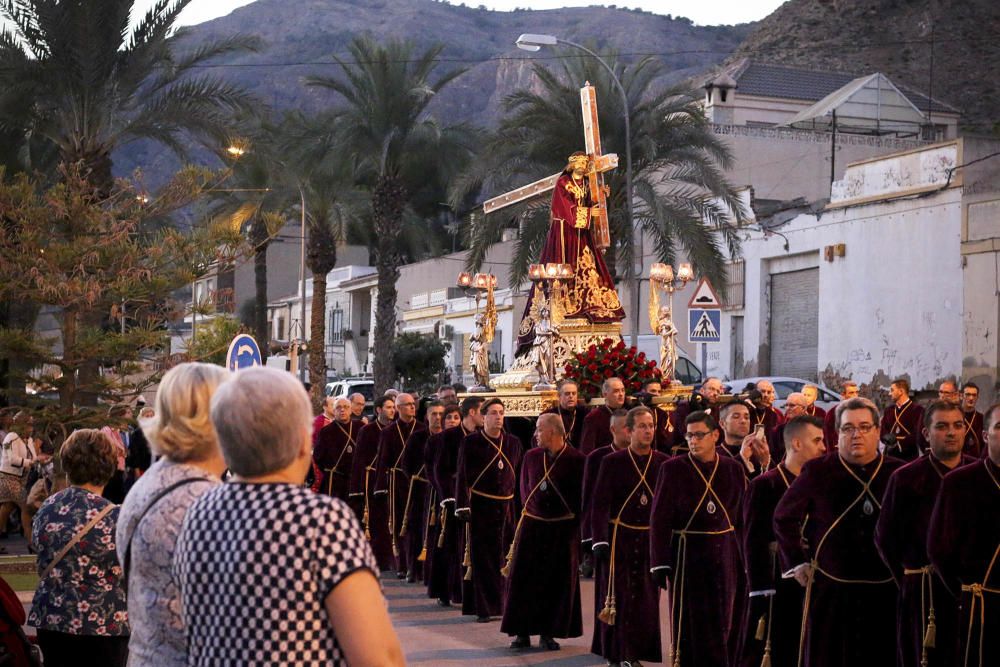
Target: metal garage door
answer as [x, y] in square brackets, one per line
[795, 323]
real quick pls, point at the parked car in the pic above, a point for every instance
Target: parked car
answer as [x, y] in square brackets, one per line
[783, 386]
[348, 386]
[687, 372]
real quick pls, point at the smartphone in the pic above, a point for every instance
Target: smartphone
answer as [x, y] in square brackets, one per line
[759, 432]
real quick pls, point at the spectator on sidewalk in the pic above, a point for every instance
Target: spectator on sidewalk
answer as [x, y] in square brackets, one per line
[190, 463]
[79, 606]
[269, 571]
[18, 455]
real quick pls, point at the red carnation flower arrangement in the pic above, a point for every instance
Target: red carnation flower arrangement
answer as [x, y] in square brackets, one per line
[592, 366]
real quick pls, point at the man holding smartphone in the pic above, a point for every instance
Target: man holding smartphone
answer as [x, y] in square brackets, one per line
[749, 449]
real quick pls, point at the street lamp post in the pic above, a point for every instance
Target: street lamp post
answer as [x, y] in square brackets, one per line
[530, 42]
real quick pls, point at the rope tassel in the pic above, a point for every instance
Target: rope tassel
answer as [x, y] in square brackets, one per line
[930, 637]
[761, 628]
[444, 526]
[467, 560]
[505, 570]
[608, 614]
[423, 555]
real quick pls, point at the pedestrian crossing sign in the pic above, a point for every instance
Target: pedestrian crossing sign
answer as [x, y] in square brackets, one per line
[704, 325]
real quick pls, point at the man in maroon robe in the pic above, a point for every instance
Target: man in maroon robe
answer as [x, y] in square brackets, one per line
[592, 293]
[425, 514]
[334, 453]
[772, 624]
[543, 583]
[620, 438]
[597, 424]
[323, 419]
[414, 517]
[450, 547]
[830, 434]
[766, 415]
[811, 392]
[901, 537]
[374, 513]
[825, 525]
[901, 423]
[749, 449]
[694, 545]
[627, 628]
[964, 546]
[704, 398]
[573, 414]
[392, 480]
[974, 444]
[485, 488]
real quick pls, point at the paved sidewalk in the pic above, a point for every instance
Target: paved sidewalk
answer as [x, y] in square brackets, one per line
[433, 635]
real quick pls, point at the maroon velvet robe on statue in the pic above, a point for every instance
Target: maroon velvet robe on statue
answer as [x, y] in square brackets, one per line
[904, 423]
[333, 453]
[778, 601]
[901, 537]
[852, 603]
[693, 535]
[964, 545]
[363, 491]
[543, 584]
[391, 480]
[618, 495]
[592, 293]
[444, 450]
[486, 484]
[596, 429]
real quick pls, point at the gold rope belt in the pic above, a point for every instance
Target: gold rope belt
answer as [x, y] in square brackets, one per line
[927, 614]
[978, 600]
[565, 517]
[619, 522]
[490, 495]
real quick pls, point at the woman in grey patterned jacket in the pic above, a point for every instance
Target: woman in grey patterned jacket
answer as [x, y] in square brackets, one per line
[181, 433]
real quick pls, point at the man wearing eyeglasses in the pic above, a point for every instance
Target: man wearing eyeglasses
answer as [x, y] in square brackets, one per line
[964, 546]
[850, 595]
[901, 536]
[694, 545]
[973, 441]
[773, 624]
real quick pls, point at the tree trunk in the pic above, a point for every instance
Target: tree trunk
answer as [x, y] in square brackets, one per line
[317, 342]
[260, 331]
[388, 200]
[67, 383]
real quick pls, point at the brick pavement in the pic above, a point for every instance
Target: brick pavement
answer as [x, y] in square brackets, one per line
[433, 635]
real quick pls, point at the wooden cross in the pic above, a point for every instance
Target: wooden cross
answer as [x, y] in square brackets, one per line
[599, 163]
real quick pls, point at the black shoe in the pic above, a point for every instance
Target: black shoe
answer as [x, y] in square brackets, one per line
[400, 575]
[444, 602]
[548, 643]
[482, 619]
[410, 579]
[521, 642]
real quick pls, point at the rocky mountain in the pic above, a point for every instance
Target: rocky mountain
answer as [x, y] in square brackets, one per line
[948, 48]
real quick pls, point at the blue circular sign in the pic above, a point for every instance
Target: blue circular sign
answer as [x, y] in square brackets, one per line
[243, 353]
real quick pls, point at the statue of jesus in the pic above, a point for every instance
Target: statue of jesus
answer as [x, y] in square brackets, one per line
[592, 293]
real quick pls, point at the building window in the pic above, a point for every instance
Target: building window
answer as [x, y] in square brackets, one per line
[934, 132]
[734, 298]
[281, 328]
[336, 327]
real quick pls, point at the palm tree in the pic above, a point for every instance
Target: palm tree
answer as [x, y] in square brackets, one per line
[400, 152]
[677, 166]
[75, 76]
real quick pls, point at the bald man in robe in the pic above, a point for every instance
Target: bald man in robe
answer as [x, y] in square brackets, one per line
[597, 424]
[543, 582]
[333, 452]
[627, 628]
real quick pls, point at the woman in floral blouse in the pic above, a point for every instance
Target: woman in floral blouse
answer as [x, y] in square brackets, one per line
[79, 606]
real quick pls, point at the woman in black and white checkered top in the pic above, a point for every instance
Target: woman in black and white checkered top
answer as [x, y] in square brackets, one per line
[271, 573]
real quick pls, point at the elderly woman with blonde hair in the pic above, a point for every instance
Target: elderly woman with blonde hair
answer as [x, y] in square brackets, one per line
[181, 433]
